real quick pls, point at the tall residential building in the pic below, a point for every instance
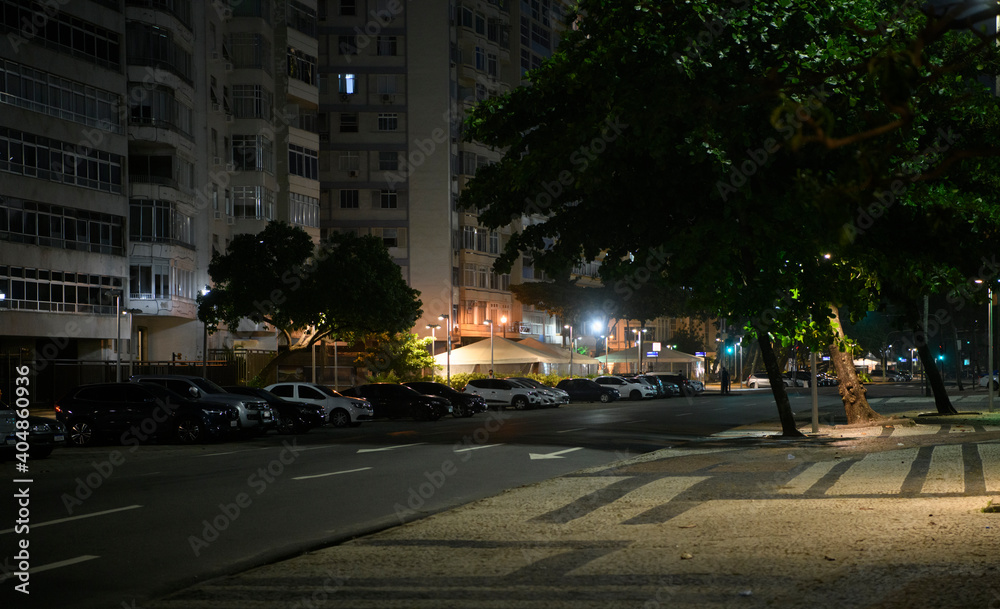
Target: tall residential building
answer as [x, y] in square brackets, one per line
[137, 137]
[396, 81]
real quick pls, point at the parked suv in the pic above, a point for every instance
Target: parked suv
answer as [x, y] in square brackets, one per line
[341, 410]
[131, 413]
[255, 414]
[462, 404]
[500, 393]
[689, 388]
[561, 397]
[633, 389]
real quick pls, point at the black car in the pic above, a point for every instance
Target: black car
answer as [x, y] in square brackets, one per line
[289, 416]
[681, 381]
[132, 413]
[462, 404]
[393, 401]
[586, 390]
[43, 434]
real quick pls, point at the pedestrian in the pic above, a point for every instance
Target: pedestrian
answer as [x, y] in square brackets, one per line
[491, 372]
[724, 377]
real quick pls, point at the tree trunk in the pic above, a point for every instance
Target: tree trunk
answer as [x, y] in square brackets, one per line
[934, 380]
[788, 428]
[852, 392]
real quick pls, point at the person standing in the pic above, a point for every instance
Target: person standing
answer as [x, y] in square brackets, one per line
[724, 377]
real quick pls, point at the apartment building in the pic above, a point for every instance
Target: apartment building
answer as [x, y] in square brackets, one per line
[138, 136]
[396, 81]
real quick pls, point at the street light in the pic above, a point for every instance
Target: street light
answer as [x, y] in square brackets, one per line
[605, 339]
[503, 324]
[570, 349]
[204, 340]
[639, 334]
[447, 319]
[489, 322]
[433, 329]
[117, 293]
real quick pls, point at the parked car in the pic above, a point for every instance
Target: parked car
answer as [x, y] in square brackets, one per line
[687, 386]
[758, 380]
[561, 396]
[393, 401]
[633, 389]
[500, 393]
[43, 434]
[340, 410]
[824, 379]
[549, 397]
[289, 416]
[795, 379]
[661, 389]
[255, 415]
[462, 404]
[586, 390]
[132, 413]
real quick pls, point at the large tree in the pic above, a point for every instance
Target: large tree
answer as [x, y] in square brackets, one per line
[346, 288]
[744, 143]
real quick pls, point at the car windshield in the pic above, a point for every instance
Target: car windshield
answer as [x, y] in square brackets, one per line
[207, 386]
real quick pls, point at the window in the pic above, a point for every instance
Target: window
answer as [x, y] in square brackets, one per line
[480, 24]
[68, 228]
[154, 46]
[250, 51]
[386, 46]
[388, 199]
[303, 210]
[49, 159]
[43, 92]
[480, 58]
[392, 237]
[252, 101]
[253, 153]
[64, 33]
[302, 66]
[482, 276]
[303, 162]
[492, 65]
[43, 290]
[386, 84]
[349, 199]
[388, 121]
[347, 45]
[149, 280]
[159, 222]
[388, 161]
[468, 237]
[469, 277]
[348, 122]
[349, 161]
[494, 242]
[253, 202]
[348, 7]
[345, 84]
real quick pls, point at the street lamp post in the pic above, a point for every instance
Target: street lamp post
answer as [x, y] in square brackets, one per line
[204, 341]
[490, 323]
[447, 320]
[117, 293]
[570, 349]
[638, 351]
[433, 328]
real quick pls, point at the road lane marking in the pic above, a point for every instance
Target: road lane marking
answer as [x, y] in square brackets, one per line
[54, 565]
[233, 452]
[556, 455]
[570, 430]
[462, 450]
[990, 456]
[683, 414]
[80, 517]
[384, 448]
[876, 474]
[635, 421]
[346, 471]
[946, 473]
[804, 481]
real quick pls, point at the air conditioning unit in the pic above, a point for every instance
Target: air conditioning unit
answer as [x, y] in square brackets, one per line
[216, 160]
[218, 215]
[387, 98]
[230, 220]
[229, 67]
[230, 167]
[229, 118]
[215, 107]
[324, 136]
[215, 55]
[353, 173]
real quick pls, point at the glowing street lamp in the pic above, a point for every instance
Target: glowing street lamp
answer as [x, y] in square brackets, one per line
[503, 324]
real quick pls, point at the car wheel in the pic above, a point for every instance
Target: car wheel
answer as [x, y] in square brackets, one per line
[81, 433]
[467, 412]
[190, 431]
[286, 425]
[635, 395]
[340, 418]
[458, 411]
[520, 403]
[605, 398]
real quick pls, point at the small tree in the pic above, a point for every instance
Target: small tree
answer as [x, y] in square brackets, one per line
[397, 356]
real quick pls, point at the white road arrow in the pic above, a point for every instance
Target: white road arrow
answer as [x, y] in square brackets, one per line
[555, 455]
[375, 450]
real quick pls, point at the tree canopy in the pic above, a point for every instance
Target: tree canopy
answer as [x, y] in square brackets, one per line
[769, 152]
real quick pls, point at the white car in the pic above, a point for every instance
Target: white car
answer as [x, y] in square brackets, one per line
[557, 396]
[340, 410]
[500, 393]
[633, 389]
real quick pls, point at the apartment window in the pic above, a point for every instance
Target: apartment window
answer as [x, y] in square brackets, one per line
[388, 161]
[303, 210]
[386, 46]
[466, 16]
[301, 66]
[492, 65]
[347, 45]
[303, 162]
[154, 46]
[468, 237]
[252, 101]
[48, 225]
[391, 237]
[251, 51]
[469, 275]
[49, 159]
[150, 280]
[388, 199]
[388, 121]
[386, 84]
[253, 202]
[480, 58]
[348, 122]
[482, 276]
[253, 153]
[345, 84]
[302, 18]
[494, 242]
[44, 290]
[64, 33]
[348, 7]
[349, 199]
[55, 96]
[480, 24]
[159, 222]
[349, 161]
[482, 236]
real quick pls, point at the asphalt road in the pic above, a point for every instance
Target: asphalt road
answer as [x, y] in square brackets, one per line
[111, 526]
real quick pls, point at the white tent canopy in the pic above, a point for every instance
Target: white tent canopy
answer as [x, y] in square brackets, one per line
[669, 360]
[508, 358]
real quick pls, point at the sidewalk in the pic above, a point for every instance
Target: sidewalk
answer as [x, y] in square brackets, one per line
[881, 517]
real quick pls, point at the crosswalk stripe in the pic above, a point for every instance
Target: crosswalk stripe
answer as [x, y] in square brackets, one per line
[947, 471]
[804, 481]
[990, 456]
[645, 498]
[876, 474]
